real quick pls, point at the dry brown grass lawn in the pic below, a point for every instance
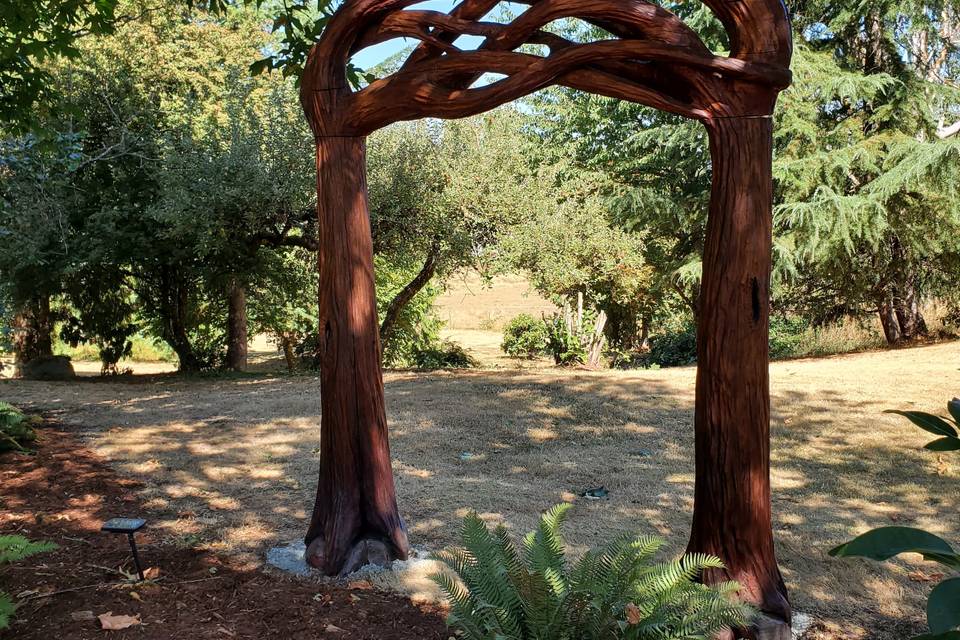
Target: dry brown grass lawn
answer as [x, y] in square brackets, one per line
[471, 303]
[232, 462]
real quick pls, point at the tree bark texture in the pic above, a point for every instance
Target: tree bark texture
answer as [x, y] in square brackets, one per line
[32, 332]
[907, 306]
[732, 512]
[355, 518]
[652, 58]
[237, 337]
[900, 314]
[286, 344]
[889, 320]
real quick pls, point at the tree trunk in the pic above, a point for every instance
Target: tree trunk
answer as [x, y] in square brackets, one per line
[174, 298]
[889, 320]
[355, 518]
[908, 314]
[32, 332]
[236, 327]
[645, 333]
[403, 298]
[732, 512]
[286, 343]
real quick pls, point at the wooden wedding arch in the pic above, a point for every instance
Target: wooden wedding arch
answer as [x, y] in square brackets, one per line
[651, 57]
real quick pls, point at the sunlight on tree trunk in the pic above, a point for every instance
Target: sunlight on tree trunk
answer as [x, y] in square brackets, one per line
[732, 513]
[355, 518]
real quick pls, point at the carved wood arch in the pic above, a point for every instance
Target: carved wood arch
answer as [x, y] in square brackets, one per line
[652, 58]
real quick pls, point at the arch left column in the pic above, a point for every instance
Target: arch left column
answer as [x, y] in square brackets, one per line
[355, 518]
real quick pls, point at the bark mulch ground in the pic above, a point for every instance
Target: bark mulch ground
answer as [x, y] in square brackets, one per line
[64, 492]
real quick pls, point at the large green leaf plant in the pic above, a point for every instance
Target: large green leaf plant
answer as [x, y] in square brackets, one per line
[943, 606]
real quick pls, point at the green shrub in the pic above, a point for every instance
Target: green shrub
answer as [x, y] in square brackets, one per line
[943, 606]
[417, 329]
[847, 336]
[565, 343]
[676, 348]
[142, 349]
[788, 335]
[525, 337]
[14, 549]
[15, 430]
[446, 355]
[146, 349]
[530, 592]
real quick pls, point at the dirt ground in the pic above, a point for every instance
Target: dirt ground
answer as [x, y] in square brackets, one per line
[64, 493]
[229, 464]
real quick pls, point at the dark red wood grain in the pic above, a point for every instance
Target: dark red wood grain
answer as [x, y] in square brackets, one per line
[655, 60]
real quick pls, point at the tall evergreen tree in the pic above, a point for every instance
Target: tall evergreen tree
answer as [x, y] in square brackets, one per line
[869, 157]
[867, 153]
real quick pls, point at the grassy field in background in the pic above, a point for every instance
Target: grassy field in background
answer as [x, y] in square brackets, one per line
[473, 304]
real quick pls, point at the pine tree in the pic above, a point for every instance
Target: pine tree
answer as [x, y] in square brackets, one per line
[867, 155]
[869, 199]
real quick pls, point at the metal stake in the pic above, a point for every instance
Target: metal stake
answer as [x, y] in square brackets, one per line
[136, 556]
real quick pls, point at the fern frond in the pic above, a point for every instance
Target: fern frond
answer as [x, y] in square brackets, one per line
[544, 547]
[7, 609]
[616, 592]
[15, 548]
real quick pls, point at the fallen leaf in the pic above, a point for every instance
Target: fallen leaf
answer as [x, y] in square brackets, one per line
[111, 622]
[920, 576]
[943, 467]
[152, 573]
[82, 616]
[333, 629]
[633, 614]
[136, 596]
[354, 599]
[360, 585]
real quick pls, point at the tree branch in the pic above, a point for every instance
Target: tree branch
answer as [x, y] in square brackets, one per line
[949, 131]
[758, 29]
[403, 298]
[421, 91]
[282, 238]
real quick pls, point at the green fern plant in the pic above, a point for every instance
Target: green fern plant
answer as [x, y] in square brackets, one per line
[14, 549]
[499, 590]
[15, 429]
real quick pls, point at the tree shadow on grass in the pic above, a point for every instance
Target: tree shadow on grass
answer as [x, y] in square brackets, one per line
[233, 462]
